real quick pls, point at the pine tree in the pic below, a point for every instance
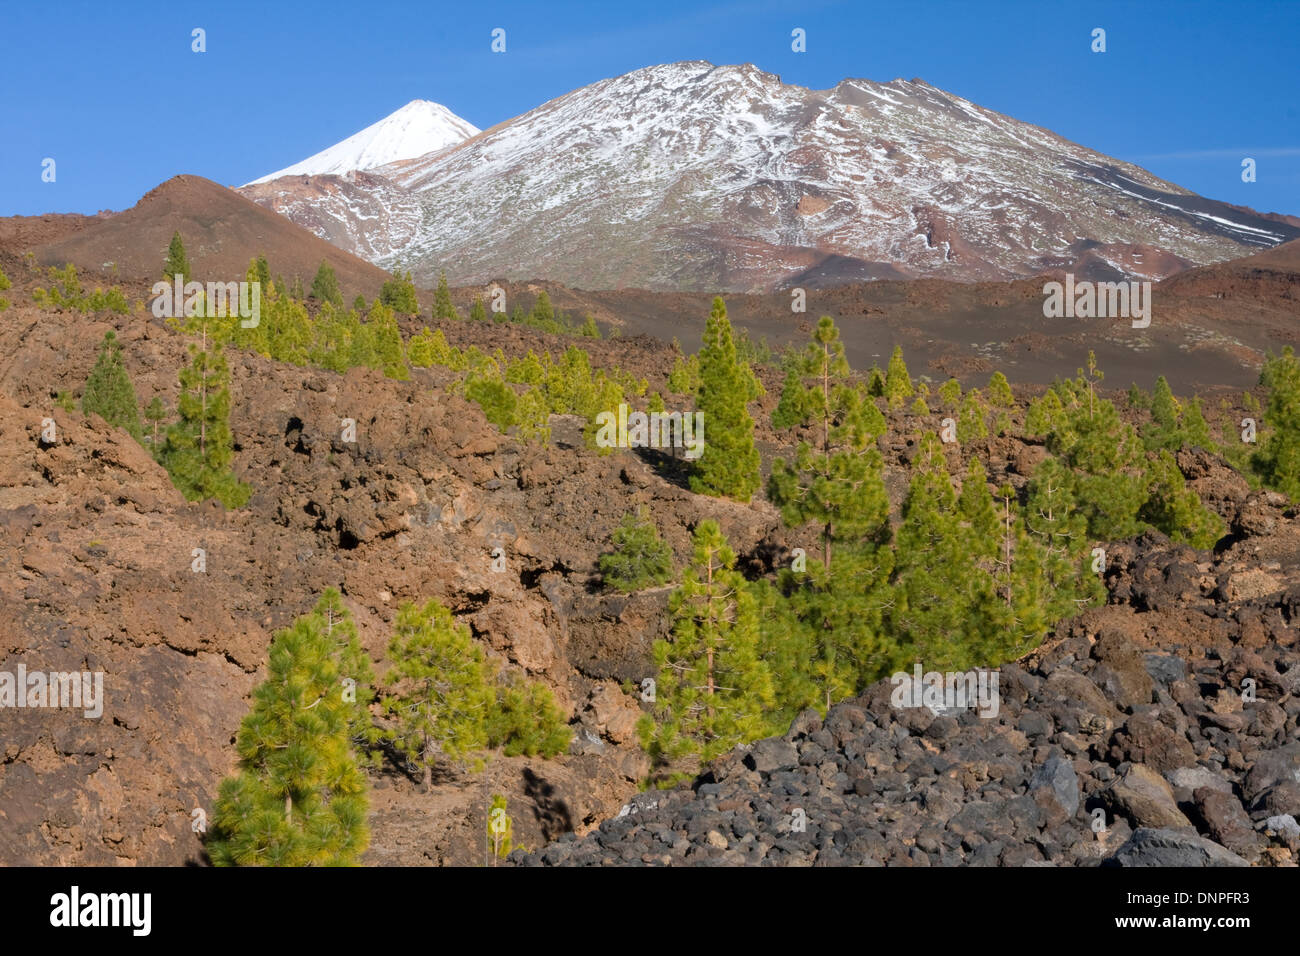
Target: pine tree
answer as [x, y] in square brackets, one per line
[1106, 458]
[1055, 522]
[441, 698]
[1196, 431]
[946, 613]
[793, 652]
[640, 558]
[712, 689]
[1045, 414]
[5, 285]
[477, 312]
[263, 272]
[356, 671]
[1023, 582]
[950, 394]
[325, 287]
[976, 507]
[398, 293]
[198, 449]
[526, 721]
[1163, 431]
[970, 419]
[542, 312]
[442, 306]
[729, 466]
[836, 483]
[386, 341]
[1277, 463]
[1000, 391]
[898, 384]
[177, 262]
[109, 392]
[155, 413]
[684, 379]
[299, 798]
[876, 381]
[1175, 509]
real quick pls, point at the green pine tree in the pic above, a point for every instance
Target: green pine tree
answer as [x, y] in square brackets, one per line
[542, 312]
[177, 262]
[835, 483]
[712, 689]
[1175, 509]
[442, 305]
[1277, 463]
[950, 394]
[440, 697]
[155, 413]
[640, 559]
[1045, 414]
[729, 466]
[898, 383]
[876, 381]
[1000, 391]
[386, 350]
[325, 287]
[1106, 458]
[356, 672]
[5, 285]
[398, 293]
[477, 312]
[109, 392]
[1054, 521]
[526, 720]
[975, 506]
[198, 448]
[946, 613]
[299, 798]
[970, 419]
[1163, 430]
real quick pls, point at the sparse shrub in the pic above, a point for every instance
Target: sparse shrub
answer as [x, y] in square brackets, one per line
[66, 294]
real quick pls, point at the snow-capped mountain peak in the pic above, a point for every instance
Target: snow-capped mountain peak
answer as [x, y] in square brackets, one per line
[693, 176]
[418, 128]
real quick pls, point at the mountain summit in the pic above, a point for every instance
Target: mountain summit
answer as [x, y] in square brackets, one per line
[418, 128]
[691, 176]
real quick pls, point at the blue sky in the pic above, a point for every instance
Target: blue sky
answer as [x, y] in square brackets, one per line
[113, 93]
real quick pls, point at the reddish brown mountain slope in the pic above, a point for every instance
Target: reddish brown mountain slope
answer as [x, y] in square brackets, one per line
[222, 232]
